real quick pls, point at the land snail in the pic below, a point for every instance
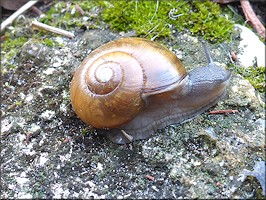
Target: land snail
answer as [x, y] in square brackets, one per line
[131, 87]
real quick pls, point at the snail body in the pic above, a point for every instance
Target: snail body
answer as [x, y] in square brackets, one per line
[132, 86]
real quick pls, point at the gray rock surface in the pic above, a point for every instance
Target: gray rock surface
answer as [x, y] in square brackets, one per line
[252, 49]
[47, 152]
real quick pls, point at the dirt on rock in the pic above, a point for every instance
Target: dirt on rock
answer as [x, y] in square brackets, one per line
[48, 152]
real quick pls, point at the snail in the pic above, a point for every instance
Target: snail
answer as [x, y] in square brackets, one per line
[131, 87]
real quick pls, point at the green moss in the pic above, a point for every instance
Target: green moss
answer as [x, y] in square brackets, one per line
[154, 18]
[147, 18]
[57, 16]
[9, 55]
[46, 41]
[206, 20]
[255, 75]
[18, 103]
[10, 48]
[12, 44]
[84, 131]
[65, 15]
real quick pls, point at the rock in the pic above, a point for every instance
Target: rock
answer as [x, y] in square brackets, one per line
[253, 49]
[64, 158]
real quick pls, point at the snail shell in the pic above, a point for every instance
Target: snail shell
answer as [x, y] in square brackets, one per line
[133, 86]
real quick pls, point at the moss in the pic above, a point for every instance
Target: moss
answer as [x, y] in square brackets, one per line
[255, 75]
[66, 16]
[13, 43]
[10, 48]
[45, 41]
[147, 18]
[48, 42]
[206, 20]
[18, 103]
[84, 131]
[154, 18]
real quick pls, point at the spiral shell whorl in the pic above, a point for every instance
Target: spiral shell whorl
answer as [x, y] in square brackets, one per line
[113, 82]
[104, 76]
[108, 83]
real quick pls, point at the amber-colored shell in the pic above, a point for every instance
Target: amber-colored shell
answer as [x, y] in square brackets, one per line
[111, 85]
